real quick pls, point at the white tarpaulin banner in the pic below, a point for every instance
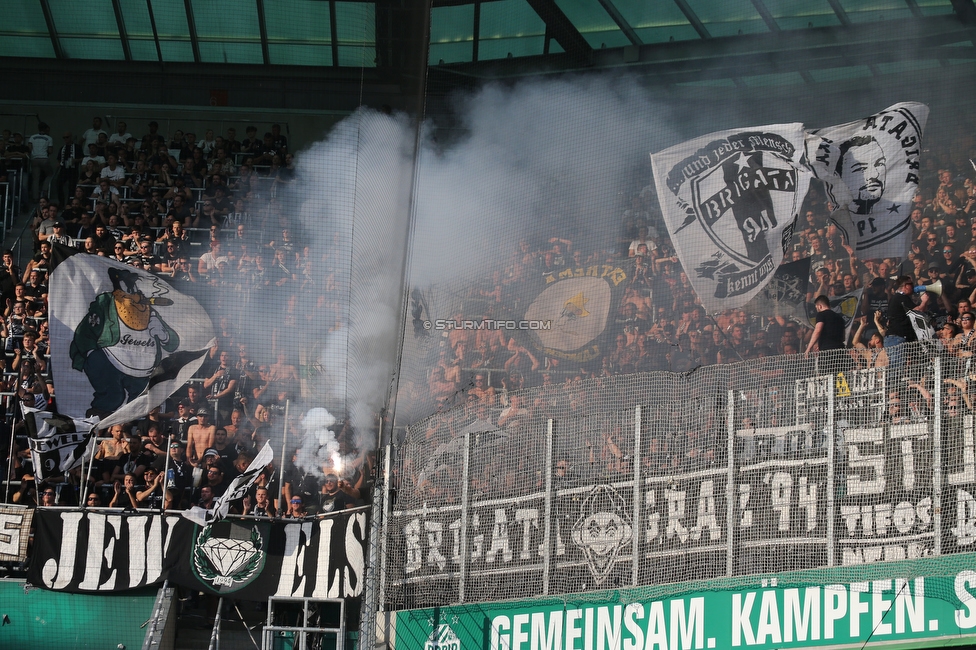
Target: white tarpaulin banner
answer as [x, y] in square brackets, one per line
[729, 201]
[871, 170]
[122, 340]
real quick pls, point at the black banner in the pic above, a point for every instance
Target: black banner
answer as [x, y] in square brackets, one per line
[86, 552]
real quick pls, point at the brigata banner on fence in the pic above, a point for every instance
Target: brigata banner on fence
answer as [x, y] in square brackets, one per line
[730, 200]
[899, 603]
[252, 558]
[15, 524]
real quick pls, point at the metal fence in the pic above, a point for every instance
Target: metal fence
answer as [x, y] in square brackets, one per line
[771, 465]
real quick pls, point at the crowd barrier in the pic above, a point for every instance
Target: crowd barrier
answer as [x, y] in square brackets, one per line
[772, 465]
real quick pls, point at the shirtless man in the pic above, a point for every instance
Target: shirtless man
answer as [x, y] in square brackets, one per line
[200, 437]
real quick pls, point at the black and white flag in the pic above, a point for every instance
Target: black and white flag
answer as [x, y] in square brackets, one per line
[730, 201]
[786, 293]
[57, 443]
[236, 490]
[871, 170]
[122, 340]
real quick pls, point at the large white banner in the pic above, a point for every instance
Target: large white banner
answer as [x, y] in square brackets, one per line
[729, 201]
[122, 340]
[871, 170]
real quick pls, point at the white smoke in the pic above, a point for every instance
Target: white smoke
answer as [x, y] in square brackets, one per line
[320, 447]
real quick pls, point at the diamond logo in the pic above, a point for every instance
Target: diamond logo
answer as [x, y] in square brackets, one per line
[228, 555]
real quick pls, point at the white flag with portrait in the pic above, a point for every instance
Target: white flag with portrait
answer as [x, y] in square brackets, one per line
[871, 170]
[730, 200]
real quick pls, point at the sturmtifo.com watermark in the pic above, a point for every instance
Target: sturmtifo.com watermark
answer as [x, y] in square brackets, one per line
[488, 324]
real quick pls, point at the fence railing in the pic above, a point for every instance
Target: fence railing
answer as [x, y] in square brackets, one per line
[772, 465]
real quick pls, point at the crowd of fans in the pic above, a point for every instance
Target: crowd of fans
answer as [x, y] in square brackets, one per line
[476, 375]
[207, 215]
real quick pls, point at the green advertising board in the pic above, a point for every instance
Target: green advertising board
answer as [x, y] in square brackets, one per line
[910, 604]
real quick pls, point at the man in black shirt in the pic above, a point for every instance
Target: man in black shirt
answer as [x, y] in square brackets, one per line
[829, 331]
[900, 328]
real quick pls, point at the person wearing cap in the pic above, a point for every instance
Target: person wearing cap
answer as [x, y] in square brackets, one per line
[58, 236]
[216, 476]
[180, 472]
[200, 437]
[332, 497]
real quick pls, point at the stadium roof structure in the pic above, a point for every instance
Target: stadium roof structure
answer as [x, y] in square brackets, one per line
[740, 43]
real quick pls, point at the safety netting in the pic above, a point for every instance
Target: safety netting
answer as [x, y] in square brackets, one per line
[766, 466]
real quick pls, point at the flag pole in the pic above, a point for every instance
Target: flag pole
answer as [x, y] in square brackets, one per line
[162, 503]
[10, 468]
[91, 460]
[281, 469]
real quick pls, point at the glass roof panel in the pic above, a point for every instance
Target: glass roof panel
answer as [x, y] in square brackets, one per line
[510, 26]
[23, 16]
[357, 56]
[176, 51]
[298, 21]
[287, 54]
[356, 33]
[230, 52]
[811, 13]
[451, 34]
[872, 11]
[87, 30]
[934, 7]
[92, 48]
[709, 83]
[840, 74]
[729, 17]
[656, 22]
[909, 67]
[775, 79]
[594, 23]
[135, 15]
[170, 18]
[500, 48]
[236, 20]
[847, 72]
[441, 53]
[27, 46]
[142, 50]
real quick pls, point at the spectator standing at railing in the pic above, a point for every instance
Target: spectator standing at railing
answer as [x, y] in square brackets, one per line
[69, 160]
[10, 274]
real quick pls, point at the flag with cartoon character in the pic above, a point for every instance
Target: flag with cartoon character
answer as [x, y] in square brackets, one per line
[122, 340]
